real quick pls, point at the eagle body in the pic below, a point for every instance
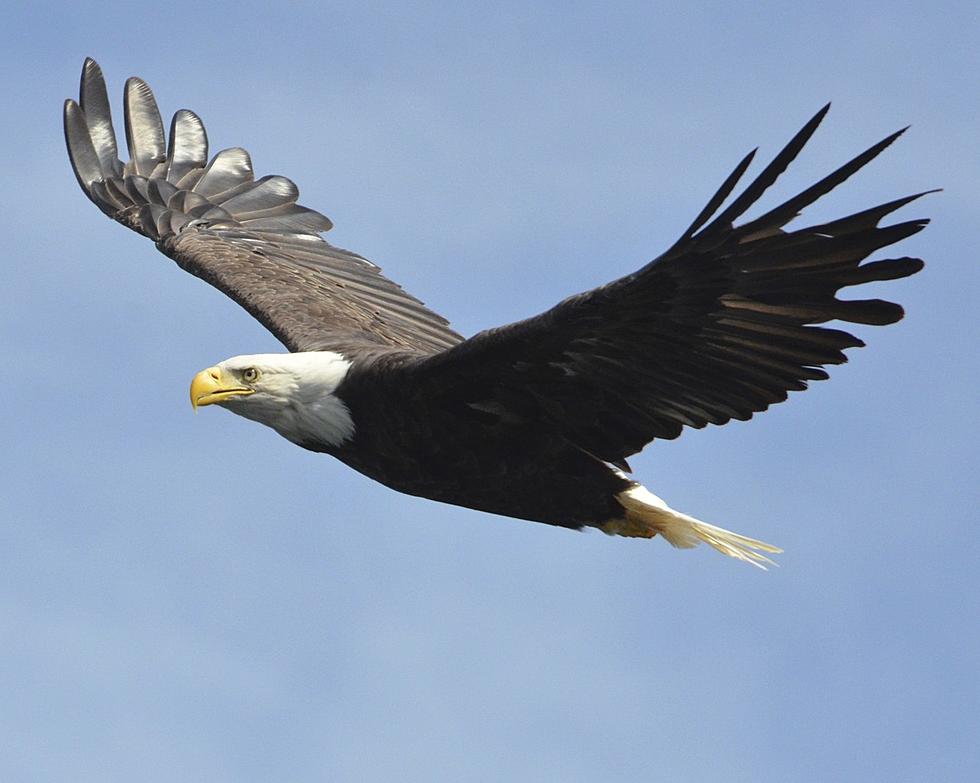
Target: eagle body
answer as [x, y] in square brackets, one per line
[508, 462]
[535, 419]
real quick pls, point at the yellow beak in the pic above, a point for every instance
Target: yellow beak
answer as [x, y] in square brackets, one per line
[210, 386]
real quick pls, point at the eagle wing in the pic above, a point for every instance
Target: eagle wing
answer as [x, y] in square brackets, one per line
[248, 238]
[719, 327]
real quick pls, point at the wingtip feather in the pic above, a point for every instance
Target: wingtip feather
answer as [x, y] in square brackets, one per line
[188, 145]
[94, 101]
[144, 127]
[766, 177]
[84, 159]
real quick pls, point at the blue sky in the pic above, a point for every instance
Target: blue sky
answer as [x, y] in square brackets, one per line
[192, 598]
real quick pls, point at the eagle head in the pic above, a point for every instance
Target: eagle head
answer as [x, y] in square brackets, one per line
[294, 393]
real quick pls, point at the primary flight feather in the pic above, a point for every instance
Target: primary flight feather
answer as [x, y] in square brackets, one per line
[533, 420]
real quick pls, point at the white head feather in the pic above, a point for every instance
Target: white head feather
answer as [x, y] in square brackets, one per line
[294, 394]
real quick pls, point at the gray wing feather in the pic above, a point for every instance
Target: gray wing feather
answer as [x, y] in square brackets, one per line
[271, 195]
[84, 159]
[144, 128]
[247, 237]
[186, 201]
[299, 220]
[94, 102]
[228, 169]
[188, 148]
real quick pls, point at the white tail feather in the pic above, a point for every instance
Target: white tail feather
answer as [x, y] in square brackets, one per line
[647, 515]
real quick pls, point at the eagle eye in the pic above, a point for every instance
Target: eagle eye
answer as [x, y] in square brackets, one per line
[250, 374]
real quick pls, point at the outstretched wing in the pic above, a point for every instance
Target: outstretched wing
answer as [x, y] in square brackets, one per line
[249, 238]
[719, 327]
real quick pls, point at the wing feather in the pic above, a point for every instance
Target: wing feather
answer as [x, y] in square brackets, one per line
[94, 102]
[228, 169]
[188, 147]
[144, 128]
[766, 178]
[84, 157]
[269, 195]
[248, 237]
[720, 327]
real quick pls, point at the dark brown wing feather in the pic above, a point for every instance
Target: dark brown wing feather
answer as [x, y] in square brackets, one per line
[249, 238]
[719, 327]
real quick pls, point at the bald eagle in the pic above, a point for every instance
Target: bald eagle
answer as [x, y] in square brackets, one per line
[533, 420]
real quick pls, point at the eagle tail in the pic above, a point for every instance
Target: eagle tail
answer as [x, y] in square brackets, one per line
[647, 516]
